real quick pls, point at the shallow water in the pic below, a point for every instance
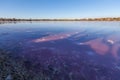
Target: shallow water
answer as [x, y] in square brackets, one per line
[89, 50]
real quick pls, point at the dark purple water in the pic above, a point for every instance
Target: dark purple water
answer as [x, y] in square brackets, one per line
[74, 50]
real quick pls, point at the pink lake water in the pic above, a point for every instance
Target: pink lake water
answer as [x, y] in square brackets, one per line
[73, 50]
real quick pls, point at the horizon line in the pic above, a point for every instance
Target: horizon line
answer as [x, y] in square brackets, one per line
[57, 18]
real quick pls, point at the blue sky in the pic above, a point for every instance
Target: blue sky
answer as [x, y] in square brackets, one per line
[59, 8]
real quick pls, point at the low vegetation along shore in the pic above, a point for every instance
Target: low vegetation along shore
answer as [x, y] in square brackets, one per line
[84, 19]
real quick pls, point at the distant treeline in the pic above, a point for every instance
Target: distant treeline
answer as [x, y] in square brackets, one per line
[84, 19]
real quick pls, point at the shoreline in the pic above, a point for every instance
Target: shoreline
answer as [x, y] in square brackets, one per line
[83, 19]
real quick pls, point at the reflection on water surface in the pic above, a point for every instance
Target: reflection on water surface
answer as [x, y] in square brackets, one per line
[72, 50]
